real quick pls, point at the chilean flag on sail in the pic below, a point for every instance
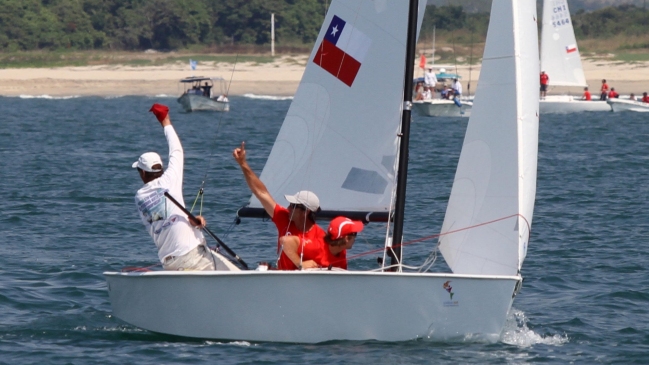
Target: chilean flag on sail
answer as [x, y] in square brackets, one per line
[342, 50]
[571, 48]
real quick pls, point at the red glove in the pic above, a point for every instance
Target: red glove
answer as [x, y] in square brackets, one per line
[160, 111]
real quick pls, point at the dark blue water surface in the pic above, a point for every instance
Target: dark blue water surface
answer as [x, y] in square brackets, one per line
[66, 192]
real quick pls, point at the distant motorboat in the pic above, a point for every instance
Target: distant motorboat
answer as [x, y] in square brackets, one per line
[620, 105]
[443, 108]
[196, 97]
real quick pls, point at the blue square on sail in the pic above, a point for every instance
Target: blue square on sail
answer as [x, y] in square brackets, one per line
[335, 29]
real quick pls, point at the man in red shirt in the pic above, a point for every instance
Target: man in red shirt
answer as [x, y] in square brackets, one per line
[545, 81]
[603, 90]
[586, 94]
[645, 97]
[332, 252]
[298, 220]
[613, 94]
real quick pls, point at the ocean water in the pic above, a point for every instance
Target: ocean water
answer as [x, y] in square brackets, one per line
[68, 215]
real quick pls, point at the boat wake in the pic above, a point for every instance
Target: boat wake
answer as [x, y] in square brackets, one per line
[267, 97]
[516, 332]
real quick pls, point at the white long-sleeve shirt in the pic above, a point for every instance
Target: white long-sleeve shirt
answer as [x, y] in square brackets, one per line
[457, 87]
[430, 79]
[166, 223]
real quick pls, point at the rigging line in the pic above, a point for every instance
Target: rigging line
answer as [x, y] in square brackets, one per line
[470, 63]
[453, 40]
[218, 128]
[444, 234]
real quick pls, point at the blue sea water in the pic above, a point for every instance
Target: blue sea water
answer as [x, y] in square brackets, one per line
[68, 215]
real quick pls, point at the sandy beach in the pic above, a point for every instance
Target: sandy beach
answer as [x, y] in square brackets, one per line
[279, 78]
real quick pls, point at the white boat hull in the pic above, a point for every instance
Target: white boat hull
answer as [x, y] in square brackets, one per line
[442, 108]
[628, 105]
[563, 104]
[198, 102]
[312, 306]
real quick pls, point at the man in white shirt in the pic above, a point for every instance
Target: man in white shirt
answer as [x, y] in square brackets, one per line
[430, 79]
[457, 88]
[180, 242]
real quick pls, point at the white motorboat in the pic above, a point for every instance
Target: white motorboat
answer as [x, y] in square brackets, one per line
[442, 108]
[560, 59]
[620, 105]
[354, 155]
[197, 96]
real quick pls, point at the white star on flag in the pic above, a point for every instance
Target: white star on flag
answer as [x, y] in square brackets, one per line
[334, 30]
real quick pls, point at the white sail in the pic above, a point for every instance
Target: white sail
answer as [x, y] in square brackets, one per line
[339, 137]
[492, 199]
[560, 57]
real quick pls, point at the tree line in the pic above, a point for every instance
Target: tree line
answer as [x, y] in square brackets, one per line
[181, 24]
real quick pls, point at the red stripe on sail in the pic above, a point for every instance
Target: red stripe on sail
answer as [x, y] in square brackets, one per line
[333, 60]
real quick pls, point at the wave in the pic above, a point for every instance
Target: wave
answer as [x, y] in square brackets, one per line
[48, 97]
[517, 333]
[267, 97]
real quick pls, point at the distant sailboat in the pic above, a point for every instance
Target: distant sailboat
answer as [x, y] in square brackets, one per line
[354, 155]
[561, 60]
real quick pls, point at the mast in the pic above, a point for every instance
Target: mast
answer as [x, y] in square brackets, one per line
[402, 175]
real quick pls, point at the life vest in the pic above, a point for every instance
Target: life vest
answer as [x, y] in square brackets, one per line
[544, 79]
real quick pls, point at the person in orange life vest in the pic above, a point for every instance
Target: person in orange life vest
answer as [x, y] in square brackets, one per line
[645, 97]
[613, 94]
[586, 94]
[603, 90]
[340, 237]
[296, 220]
[545, 81]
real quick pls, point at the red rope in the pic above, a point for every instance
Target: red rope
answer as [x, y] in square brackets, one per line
[442, 234]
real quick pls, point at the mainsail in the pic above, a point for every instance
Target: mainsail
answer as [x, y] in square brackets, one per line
[344, 148]
[487, 225]
[560, 57]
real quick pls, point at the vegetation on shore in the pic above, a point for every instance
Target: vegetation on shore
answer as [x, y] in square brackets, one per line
[50, 33]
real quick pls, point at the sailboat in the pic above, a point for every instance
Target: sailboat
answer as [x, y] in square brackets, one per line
[355, 157]
[560, 59]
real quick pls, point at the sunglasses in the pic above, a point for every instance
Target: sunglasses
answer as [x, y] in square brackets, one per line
[296, 206]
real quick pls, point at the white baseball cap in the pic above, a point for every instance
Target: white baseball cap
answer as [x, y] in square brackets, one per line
[306, 198]
[147, 161]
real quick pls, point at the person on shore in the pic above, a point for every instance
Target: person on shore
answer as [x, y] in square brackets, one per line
[645, 97]
[297, 220]
[332, 252]
[545, 81]
[586, 95]
[603, 90]
[180, 242]
[613, 94]
[430, 79]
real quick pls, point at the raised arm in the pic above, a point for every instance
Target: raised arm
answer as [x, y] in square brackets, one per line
[257, 187]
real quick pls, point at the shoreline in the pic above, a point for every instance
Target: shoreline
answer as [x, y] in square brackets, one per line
[280, 78]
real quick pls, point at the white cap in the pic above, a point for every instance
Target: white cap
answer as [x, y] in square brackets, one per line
[306, 198]
[147, 161]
